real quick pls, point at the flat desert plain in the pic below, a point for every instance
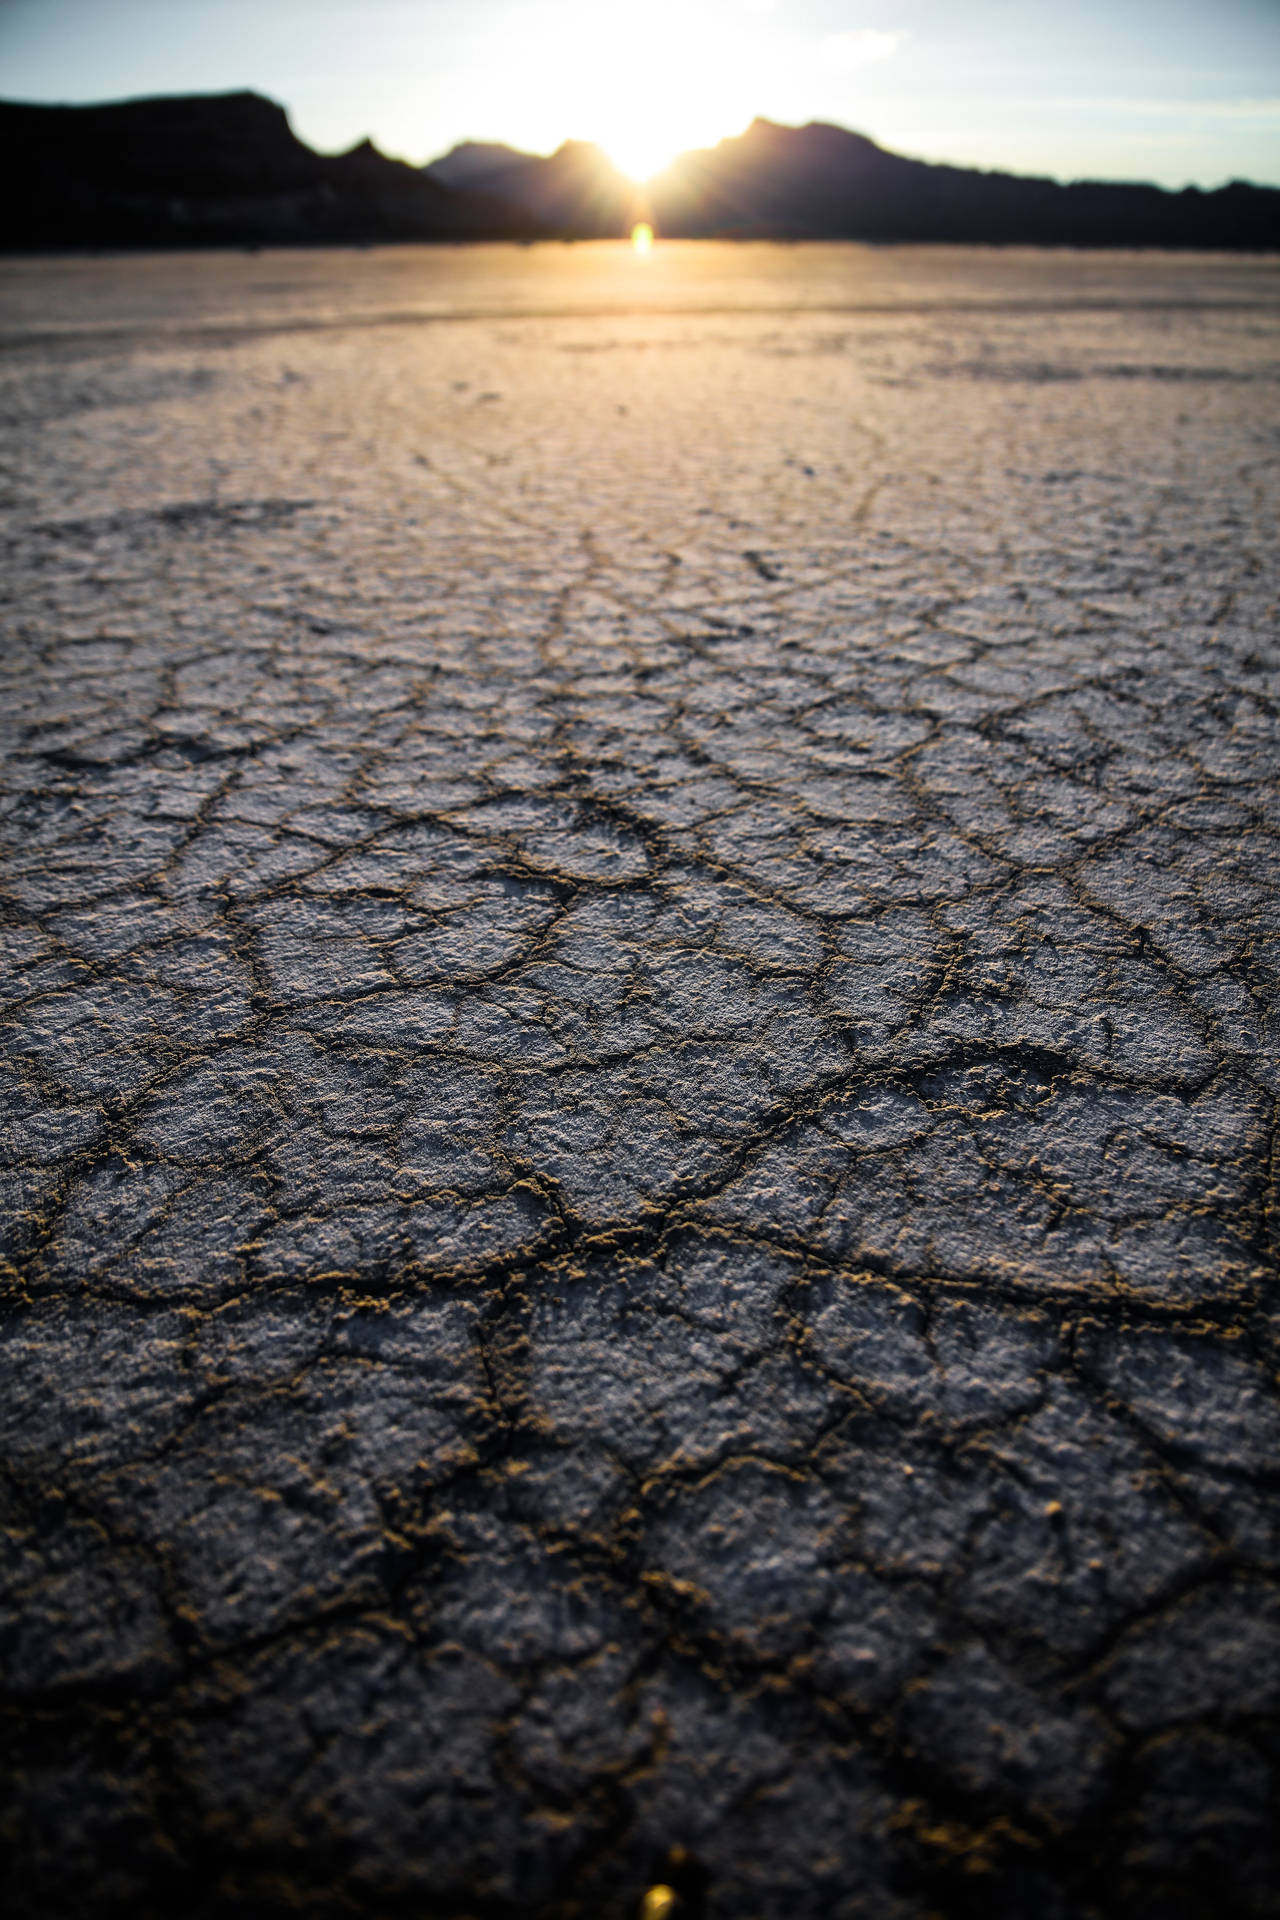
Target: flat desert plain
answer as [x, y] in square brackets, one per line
[640, 1074]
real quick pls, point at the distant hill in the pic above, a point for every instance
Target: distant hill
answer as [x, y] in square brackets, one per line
[227, 169]
[214, 169]
[822, 182]
[576, 191]
[825, 183]
[473, 160]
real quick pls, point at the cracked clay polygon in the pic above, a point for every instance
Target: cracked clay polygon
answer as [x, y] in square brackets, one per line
[640, 1065]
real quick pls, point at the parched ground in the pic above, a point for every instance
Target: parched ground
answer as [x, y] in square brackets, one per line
[640, 1065]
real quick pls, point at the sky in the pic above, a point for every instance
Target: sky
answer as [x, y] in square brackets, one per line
[1176, 91]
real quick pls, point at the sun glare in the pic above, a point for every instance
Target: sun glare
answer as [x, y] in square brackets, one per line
[647, 81]
[648, 127]
[642, 153]
[637, 170]
[642, 237]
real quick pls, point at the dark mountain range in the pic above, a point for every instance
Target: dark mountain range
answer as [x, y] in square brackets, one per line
[227, 169]
[824, 183]
[214, 169]
[473, 160]
[577, 191]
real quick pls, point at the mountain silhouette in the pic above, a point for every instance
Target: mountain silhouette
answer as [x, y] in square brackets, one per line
[214, 169]
[824, 183]
[576, 191]
[227, 169]
[473, 160]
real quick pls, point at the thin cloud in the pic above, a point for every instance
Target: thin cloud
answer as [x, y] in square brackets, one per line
[862, 47]
[1215, 109]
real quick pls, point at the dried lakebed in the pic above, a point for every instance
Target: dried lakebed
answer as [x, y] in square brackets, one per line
[640, 1066]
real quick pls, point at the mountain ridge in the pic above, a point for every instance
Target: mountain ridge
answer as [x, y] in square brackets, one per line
[822, 181]
[473, 159]
[215, 169]
[227, 169]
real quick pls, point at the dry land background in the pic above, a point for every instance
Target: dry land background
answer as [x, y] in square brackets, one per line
[640, 1081]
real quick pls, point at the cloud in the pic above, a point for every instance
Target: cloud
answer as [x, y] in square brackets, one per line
[862, 47]
[1184, 109]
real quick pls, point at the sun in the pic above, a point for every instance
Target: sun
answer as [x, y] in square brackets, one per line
[648, 116]
[642, 152]
[639, 160]
[648, 81]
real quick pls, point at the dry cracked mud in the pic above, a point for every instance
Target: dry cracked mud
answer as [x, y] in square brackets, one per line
[640, 1060]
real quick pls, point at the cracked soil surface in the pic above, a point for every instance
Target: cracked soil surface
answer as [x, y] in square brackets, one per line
[640, 1074]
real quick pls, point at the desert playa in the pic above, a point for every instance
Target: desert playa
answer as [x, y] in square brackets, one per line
[641, 900]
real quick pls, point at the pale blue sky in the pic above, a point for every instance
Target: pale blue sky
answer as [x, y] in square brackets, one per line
[1168, 90]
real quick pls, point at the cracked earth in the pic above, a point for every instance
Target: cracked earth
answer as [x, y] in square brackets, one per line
[640, 1074]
